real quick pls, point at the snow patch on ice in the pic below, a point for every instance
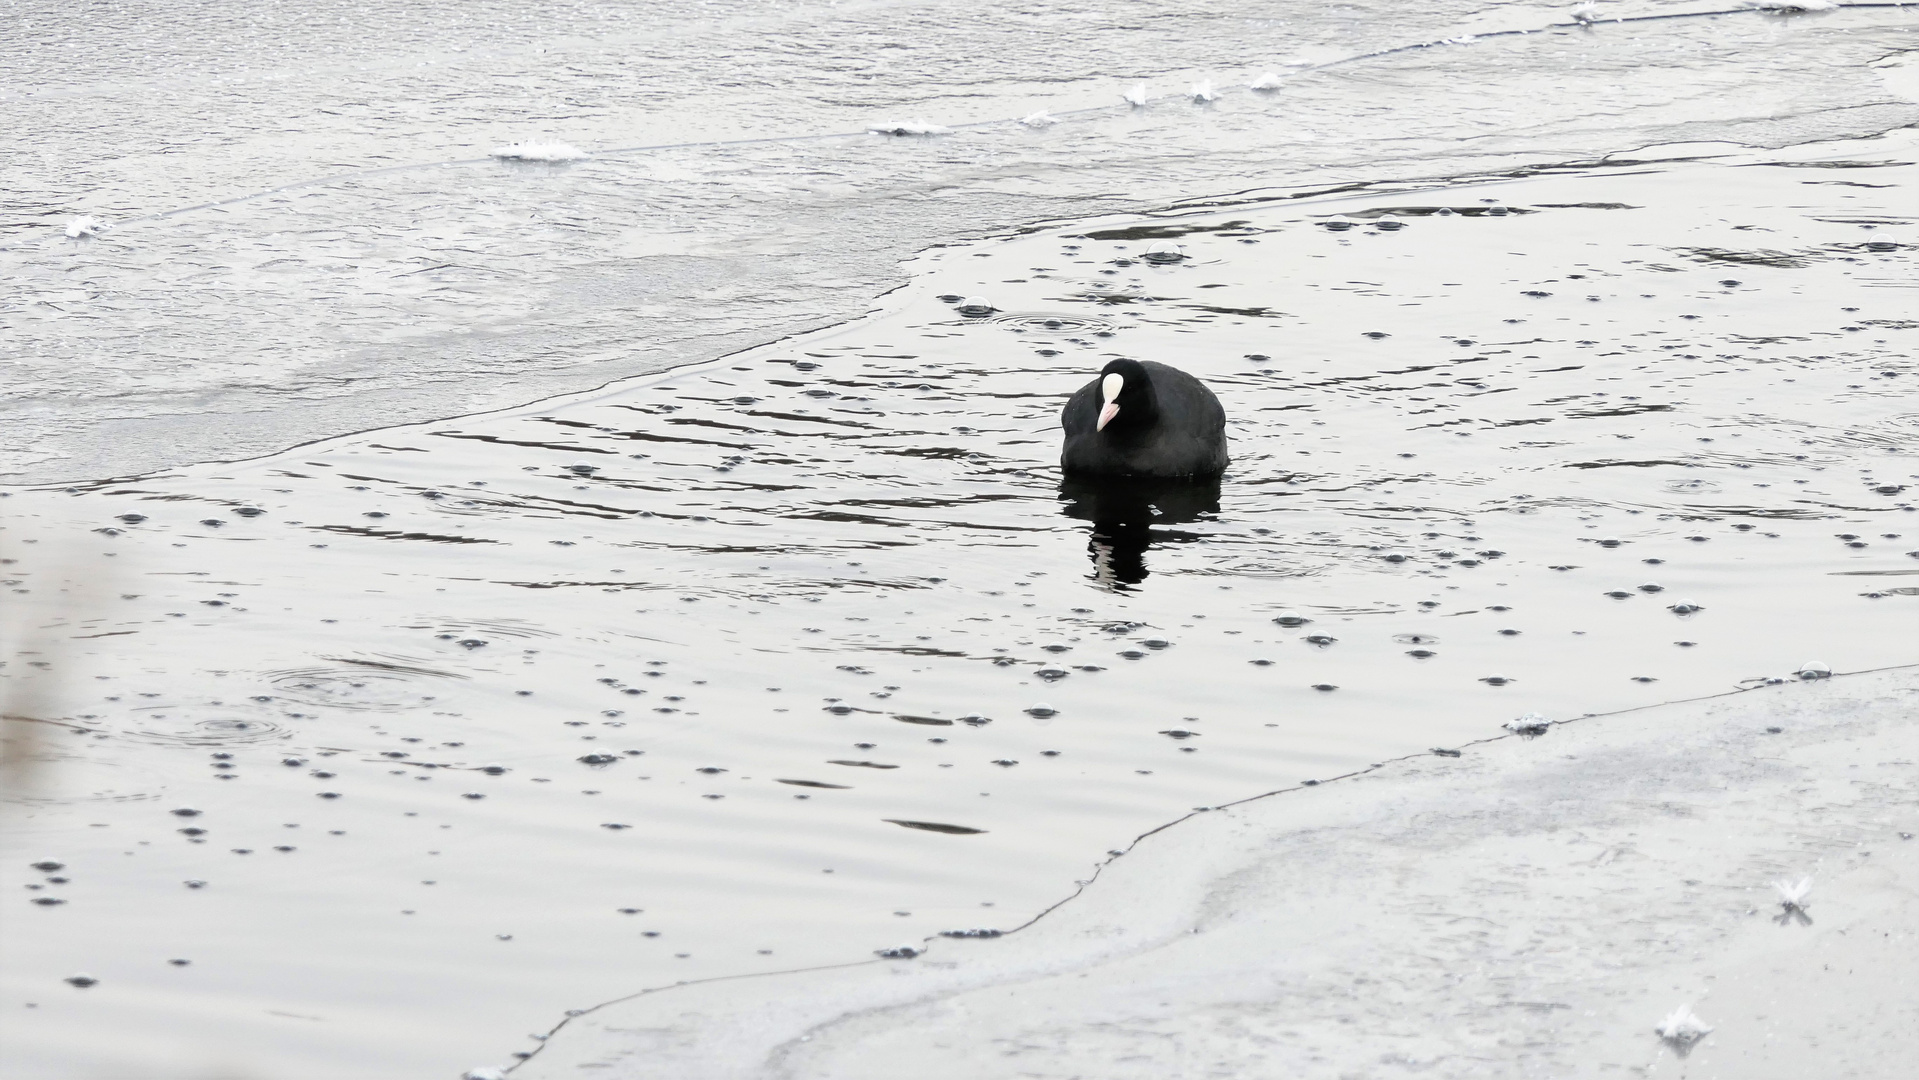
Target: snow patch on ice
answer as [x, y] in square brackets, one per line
[909, 127]
[1682, 1027]
[1791, 7]
[540, 151]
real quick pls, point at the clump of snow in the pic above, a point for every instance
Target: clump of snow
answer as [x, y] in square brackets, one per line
[1793, 898]
[1791, 7]
[1794, 892]
[540, 151]
[1136, 97]
[1041, 118]
[82, 227]
[1530, 725]
[1586, 13]
[1202, 90]
[910, 127]
[483, 1072]
[1682, 1028]
[1268, 81]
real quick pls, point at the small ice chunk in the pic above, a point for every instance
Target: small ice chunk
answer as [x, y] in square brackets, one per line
[1267, 81]
[483, 1072]
[1136, 97]
[84, 227]
[909, 127]
[1201, 91]
[1682, 1028]
[1586, 13]
[1039, 119]
[898, 952]
[540, 151]
[1793, 894]
[1530, 725]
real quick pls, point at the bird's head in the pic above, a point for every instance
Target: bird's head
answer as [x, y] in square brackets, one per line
[1125, 390]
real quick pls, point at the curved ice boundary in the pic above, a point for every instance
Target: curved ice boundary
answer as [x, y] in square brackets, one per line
[1533, 900]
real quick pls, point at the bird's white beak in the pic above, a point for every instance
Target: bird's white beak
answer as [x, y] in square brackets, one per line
[1109, 388]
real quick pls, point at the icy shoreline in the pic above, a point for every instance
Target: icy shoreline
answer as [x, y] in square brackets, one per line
[1533, 907]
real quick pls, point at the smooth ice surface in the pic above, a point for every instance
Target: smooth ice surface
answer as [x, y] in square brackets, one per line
[1592, 904]
[740, 668]
[311, 235]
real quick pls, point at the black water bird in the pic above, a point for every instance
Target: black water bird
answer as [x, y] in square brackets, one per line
[1143, 419]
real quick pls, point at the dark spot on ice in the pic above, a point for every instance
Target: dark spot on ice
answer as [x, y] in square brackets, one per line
[935, 826]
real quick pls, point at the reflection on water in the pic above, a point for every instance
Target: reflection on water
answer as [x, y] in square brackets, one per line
[1132, 514]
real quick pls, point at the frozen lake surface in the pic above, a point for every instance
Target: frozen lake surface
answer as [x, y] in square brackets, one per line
[802, 651]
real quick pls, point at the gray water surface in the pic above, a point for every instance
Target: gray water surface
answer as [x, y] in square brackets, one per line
[741, 667]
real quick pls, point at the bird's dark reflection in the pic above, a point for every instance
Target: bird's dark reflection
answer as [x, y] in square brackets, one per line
[1131, 514]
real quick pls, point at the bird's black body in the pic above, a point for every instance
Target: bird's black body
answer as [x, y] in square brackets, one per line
[1168, 425]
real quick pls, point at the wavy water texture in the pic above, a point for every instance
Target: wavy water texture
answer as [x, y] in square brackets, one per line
[783, 658]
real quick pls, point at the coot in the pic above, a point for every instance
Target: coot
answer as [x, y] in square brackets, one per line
[1141, 418]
